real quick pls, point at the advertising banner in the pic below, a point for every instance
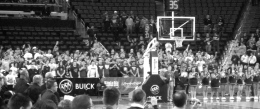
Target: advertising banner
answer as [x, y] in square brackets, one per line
[77, 86]
[125, 85]
[156, 87]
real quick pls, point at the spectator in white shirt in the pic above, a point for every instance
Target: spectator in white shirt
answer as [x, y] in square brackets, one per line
[93, 70]
[129, 25]
[168, 47]
[252, 59]
[27, 56]
[200, 64]
[14, 70]
[244, 59]
[49, 54]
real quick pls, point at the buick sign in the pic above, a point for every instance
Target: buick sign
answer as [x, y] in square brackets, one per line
[155, 89]
[66, 86]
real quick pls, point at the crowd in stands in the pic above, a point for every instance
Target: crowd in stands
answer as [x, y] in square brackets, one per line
[212, 34]
[128, 23]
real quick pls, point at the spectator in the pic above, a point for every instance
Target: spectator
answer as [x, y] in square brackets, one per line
[245, 37]
[45, 104]
[257, 54]
[207, 24]
[252, 59]
[48, 76]
[22, 82]
[215, 42]
[257, 33]
[138, 99]
[82, 102]
[83, 70]
[49, 94]
[199, 41]
[121, 25]
[106, 22]
[208, 43]
[114, 25]
[45, 68]
[10, 80]
[34, 90]
[19, 101]
[124, 17]
[32, 70]
[111, 97]
[235, 58]
[114, 69]
[64, 104]
[93, 70]
[244, 59]
[132, 15]
[74, 69]
[91, 34]
[137, 25]
[143, 23]
[3, 89]
[179, 100]
[220, 24]
[129, 25]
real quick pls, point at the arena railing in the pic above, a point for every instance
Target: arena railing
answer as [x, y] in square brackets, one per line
[238, 32]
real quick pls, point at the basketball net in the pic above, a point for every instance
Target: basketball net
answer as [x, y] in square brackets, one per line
[179, 41]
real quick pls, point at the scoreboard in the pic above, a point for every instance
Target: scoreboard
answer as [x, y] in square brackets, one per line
[172, 5]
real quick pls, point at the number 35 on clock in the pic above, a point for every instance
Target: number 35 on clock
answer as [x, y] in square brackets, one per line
[172, 5]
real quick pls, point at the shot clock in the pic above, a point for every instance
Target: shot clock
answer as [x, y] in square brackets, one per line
[172, 5]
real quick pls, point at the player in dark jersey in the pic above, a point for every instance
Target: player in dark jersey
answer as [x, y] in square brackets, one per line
[223, 83]
[248, 81]
[240, 79]
[256, 81]
[232, 80]
[182, 81]
[214, 84]
[205, 75]
[193, 82]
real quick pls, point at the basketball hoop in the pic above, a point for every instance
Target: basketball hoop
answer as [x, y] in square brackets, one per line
[178, 41]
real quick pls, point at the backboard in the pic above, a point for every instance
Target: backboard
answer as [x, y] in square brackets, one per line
[171, 28]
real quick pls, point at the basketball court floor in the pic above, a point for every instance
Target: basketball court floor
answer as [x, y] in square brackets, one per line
[214, 104]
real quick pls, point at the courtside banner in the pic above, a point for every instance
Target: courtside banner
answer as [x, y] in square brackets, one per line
[77, 86]
[125, 85]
